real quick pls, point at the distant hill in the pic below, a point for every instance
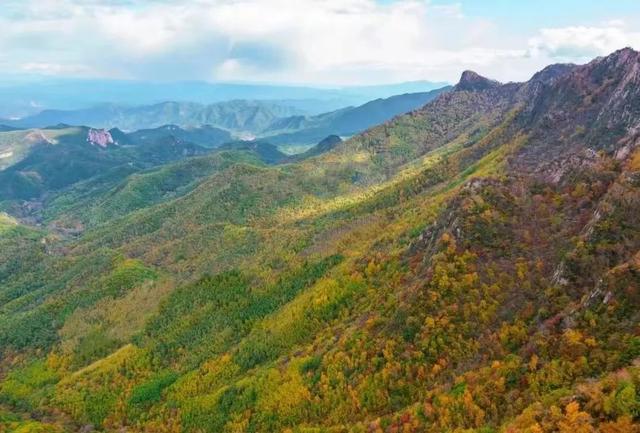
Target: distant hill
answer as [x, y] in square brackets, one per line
[38, 161]
[284, 125]
[347, 121]
[205, 136]
[267, 152]
[26, 96]
[238, 115]
[325, 145]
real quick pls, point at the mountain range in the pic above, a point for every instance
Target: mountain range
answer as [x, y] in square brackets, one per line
[470, 266]
[285, 126]
[347, 121]
[27, 95]
[238, 115]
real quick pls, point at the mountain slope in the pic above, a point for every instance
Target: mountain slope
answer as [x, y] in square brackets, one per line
[205, 136]
[346, 121]
[471, 266]
[43, 161]
[98, 200]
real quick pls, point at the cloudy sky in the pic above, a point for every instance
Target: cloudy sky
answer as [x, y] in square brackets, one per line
[307, 41]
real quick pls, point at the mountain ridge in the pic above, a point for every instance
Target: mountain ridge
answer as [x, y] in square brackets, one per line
[244, 119]
[350, 120]
[235, 115]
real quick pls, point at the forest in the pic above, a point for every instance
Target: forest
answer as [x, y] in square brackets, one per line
[472, 266]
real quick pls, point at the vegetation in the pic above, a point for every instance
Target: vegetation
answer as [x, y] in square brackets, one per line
[468, 267]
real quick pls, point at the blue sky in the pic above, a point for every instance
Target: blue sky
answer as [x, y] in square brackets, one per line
[321, 42]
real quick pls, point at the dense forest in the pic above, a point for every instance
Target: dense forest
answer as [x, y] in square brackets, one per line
[471, 266]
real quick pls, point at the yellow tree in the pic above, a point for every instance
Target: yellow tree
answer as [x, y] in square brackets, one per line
[575, 421]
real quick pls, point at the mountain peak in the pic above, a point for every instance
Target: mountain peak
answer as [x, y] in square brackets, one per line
[552, 72]
[624, 53]
[622, 61]
[472, 81]
[619, 57]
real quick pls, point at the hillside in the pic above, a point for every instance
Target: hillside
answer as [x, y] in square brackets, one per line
[72, 170]
[472, 266]
[205, 136]
[38, 162]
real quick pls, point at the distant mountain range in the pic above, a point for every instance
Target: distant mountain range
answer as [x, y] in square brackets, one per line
[284, 125]
[238, 115]
[26, 96]
[38, 158]
[205, 136]
[347, 121]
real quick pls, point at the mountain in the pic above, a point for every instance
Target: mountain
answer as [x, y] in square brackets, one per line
[127, 188]
[15, 143]
[238, 115]
[325, 145]
[36, 162]
[205, 136]
[471, 81]
[26, 96]
[267, 152]
[470, 266]
[347, 121]
[101, 198]
[63, 165]
[284, 125]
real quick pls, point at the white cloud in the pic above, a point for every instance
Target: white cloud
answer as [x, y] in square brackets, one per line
[55, 69]
[319, 41]
[582, 42]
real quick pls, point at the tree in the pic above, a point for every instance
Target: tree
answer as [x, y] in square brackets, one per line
[575, 421]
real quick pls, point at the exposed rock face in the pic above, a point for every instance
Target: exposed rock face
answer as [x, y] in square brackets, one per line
[564, 110]
[100, 137]
[471, 81]
[592, 106]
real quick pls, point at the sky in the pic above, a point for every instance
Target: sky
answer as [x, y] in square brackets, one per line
[312, 42]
